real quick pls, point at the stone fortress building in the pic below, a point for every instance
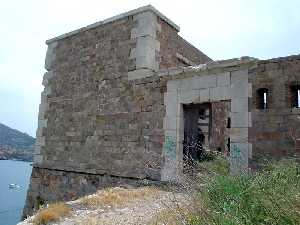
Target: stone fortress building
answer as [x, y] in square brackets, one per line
[121, 95]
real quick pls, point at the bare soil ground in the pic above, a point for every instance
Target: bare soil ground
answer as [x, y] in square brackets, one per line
[119, 206]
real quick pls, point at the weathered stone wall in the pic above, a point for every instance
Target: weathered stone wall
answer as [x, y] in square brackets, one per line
[95, 112]
[175, 51]
[57, 185]
[271, 131]
[219, 130]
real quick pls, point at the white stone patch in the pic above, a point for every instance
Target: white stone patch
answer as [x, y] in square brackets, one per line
[146, 45]
[145, 53]
[147, 24]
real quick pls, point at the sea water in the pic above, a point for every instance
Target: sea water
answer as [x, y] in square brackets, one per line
[12, 200]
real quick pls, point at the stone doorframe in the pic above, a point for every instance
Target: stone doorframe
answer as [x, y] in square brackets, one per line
[232, 86]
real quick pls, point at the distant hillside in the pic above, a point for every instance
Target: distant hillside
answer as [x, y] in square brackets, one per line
[15, 144]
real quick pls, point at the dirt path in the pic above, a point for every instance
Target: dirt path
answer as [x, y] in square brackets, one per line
[119, 206]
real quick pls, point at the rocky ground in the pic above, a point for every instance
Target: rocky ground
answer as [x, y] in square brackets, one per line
[120, 206]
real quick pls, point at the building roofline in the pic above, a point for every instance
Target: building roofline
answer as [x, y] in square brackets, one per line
[114, 18]
[228, 63]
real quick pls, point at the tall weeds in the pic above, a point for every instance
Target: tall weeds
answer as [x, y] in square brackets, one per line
[269, 197]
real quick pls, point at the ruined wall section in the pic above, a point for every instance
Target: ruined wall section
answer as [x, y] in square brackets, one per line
[175, 51]
[273, 127]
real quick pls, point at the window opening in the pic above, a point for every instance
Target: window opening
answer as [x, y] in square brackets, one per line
[228, 122]
[295, 94]
[262, 98]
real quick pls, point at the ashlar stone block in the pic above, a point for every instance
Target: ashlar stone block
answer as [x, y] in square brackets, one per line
[223, 79]
[147, 25]
[188, 96]
[173, 85]
[207, 81]
[240, 76]
[240, 90]
[239, 105]
[238, 135]
[204, 95]
[239, 119]
[220, 93]
[239, 158]
[190, 83]
[171, 109]
[170, 123]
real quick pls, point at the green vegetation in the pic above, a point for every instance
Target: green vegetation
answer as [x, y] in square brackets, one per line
[15, 144]
[269, 197]
[14, 138]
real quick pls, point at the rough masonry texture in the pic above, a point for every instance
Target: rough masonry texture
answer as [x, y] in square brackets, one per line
[112, 110]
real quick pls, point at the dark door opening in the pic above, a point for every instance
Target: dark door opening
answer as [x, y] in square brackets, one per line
[197, 120]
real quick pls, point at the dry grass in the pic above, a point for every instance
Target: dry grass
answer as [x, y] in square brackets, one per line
[176, 214]
[116, 197]
[172, 216]
[95, 221]
[52, 213]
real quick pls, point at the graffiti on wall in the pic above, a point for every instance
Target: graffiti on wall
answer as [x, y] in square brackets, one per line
[235, 152]
[170, 146]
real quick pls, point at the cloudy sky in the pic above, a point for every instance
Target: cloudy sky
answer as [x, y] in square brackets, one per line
[220, 28]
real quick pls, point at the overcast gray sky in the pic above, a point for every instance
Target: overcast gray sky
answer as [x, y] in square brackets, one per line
[220, 28]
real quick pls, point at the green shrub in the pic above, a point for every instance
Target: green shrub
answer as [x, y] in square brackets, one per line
[270, 197]
[218, 165]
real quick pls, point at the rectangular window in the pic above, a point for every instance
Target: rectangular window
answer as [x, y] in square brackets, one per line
[295, 96]
[262, 98]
